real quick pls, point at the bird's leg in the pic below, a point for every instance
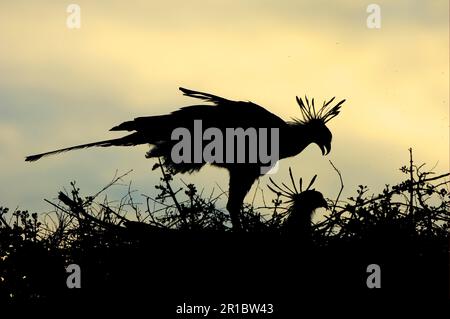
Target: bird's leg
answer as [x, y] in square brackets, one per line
[234, 208]
[240, 184]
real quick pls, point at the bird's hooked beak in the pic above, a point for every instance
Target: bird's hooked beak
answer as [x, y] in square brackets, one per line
[325, 148]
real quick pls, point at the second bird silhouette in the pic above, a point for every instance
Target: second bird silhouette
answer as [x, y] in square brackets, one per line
[294, 136]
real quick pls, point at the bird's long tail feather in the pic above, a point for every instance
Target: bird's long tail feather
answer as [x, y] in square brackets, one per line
[124, 141]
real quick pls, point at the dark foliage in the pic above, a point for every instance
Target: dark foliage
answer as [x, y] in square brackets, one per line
[180, 244]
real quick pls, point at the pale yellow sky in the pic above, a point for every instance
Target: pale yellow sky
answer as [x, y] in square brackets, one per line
[61, 87]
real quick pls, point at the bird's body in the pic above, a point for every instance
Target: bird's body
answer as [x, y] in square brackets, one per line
[301, 211]
[302, 205]
[157, 131]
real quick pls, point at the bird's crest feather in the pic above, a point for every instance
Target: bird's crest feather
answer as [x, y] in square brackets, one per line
[325, 113]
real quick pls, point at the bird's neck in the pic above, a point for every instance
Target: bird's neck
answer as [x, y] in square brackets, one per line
[296, 138]
[299, 221]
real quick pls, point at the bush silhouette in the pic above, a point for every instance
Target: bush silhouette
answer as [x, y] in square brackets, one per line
[181, 239]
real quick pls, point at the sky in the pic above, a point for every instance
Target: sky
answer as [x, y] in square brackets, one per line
[61, 87]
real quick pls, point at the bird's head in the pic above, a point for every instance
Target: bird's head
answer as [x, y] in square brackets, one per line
[301, 204]
[300, 200]
[314, 122]
[320, 135]
[310, 200]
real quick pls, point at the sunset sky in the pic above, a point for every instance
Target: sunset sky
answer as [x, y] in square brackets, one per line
[60, 87]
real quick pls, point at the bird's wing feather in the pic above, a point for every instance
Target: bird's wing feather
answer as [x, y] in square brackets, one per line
[227, 113]
[222, 114]
[157, 130]
[203, 96]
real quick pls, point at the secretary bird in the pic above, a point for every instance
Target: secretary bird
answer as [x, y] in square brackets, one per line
[293, 137]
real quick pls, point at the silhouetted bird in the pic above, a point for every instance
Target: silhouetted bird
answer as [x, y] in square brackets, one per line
[294, 136]
[302, 204]
[301, 211]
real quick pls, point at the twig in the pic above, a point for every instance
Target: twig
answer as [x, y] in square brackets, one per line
[342, 186]
[172, 194]
[113, 181]
[411, 188]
